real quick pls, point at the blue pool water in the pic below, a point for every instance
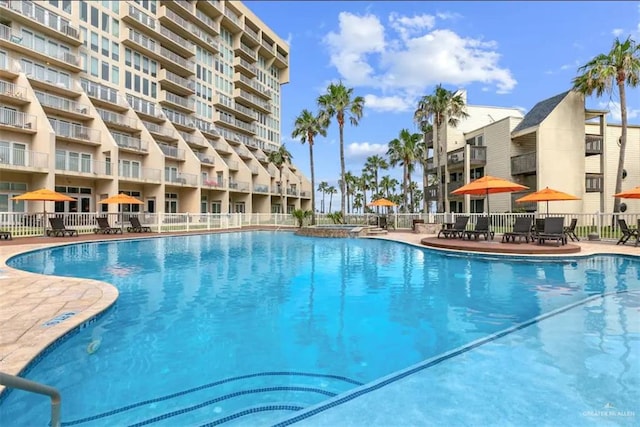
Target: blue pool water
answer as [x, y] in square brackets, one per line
[253, 326]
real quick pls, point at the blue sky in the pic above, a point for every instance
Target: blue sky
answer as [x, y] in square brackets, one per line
[510, 54]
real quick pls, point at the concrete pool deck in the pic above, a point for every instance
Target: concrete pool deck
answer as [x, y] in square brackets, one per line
[35, 310]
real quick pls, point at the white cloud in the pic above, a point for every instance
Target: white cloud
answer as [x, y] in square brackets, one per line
[617, 32]
[289, 39]
[614, 110]
[419, 56]
[362, 150]
[395, 104]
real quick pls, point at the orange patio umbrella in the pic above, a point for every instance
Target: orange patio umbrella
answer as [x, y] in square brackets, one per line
[44, 195]
[382, 202]
[121, 199]
[545, 195]
[634, 193]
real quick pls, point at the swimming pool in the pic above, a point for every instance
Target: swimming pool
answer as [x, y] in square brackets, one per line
[262, 324]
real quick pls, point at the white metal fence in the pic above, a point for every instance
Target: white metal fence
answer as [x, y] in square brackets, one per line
[604, 225]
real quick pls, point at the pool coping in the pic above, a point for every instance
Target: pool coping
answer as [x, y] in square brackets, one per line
[33, 339]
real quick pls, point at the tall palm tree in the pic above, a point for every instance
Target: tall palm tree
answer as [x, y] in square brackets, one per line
[423, 157]
[338, 102]
[280, 158]
[322, 187]
[331, 191]
[374, 164]
[621, 66]
[306, 127]
[357, 202]
[388, 185]
[403, 151]
[364, 184]
[441, 107]
[350, 184]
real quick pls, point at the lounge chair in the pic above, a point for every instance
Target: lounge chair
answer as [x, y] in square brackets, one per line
[136, 227]
[538, 227]
[570, 231]
[481, 229]
[521, 228]
[553, 230]
[5, 235]
[627, 232]
[382, 222]
[105, 228]
[58, 229]
[457, 229]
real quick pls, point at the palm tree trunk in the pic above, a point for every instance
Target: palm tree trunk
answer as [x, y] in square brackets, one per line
[343, 205]
[436, 160]
[330, 201]
[405, 182]
[283, 207]
[425, 179]
[623, 142]
[445, 184]
[313, 184]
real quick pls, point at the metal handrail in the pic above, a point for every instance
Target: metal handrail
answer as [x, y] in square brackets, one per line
[34, 387]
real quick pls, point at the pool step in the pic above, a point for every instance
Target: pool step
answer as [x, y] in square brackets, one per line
[376, 231]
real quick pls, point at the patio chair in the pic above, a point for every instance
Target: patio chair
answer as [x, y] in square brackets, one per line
[570, 231]
[105, 228]
[553, 230]
[538, 227]
[481, 229]
[5, 235]
[136, 227]
[382, 222]
[627, 232]
[521, 228]
[456, 230]
[58, 229]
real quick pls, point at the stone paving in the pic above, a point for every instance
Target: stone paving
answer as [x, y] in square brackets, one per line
[29, 301]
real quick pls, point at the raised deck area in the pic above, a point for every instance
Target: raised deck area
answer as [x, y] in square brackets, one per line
[496, 246]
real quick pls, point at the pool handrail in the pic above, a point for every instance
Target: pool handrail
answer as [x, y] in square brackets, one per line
[34, 387]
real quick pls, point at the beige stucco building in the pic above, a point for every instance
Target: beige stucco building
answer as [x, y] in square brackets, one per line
[175, 102]
[558, 144]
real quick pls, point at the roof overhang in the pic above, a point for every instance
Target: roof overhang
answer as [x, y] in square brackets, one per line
[592, 114]
[526, 131]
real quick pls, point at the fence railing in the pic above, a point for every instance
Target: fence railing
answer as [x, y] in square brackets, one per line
[29, 224]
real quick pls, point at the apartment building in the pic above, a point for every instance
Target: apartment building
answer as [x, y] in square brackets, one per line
[174, 102]
[558, 144]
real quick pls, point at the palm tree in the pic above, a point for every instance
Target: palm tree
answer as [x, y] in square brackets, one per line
[374, 164]
[331, 191]
[307, 127]
[622, 67]
[350, 184]
[280, 158]
[323, 189]
[364, 184]
[423, 156]
[388, 185]
[443, 106]
[338, 102]
[357, 201]
[403, 151]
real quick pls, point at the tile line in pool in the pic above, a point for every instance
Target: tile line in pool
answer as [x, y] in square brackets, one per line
[217, 383]
[437, 360]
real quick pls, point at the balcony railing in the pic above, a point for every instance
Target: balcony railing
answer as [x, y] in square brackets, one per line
[61, 103]
[43, 16]
[179, 118]
[251, 32]
[593, 144]
[181, 178]
[17, 119]
[50, 50]
[75, 131]
[82, 165]
[49, 76]
[246, 49]
[220, 146]
[247, 65]
[7, 63]
[144, 41]
[232, 16]
[231, 164]
[260, 188]
[594, 182]
[147, 174]
[178, 80]
[172, 151]
[13, 90]
[180, 41]
[142, 106]
[193, 139]
[142, 17]
[159, 130]
[255, 100]
[204, 158]
[188, 103]
[10, 156]
[130, 142]
[173, 57]
[239, 185]
[282, 58]
[118, 119]
[207, 128]
[523, 164]
[103, 93]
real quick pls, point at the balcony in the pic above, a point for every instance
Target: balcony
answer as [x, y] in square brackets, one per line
[208, 129]
[267, 49]
[174, 22]
[594, 182]
[292, 192]
[171, 100]
[207, 23]
[246, 52]
[281, 60]
[211, 7]
[477, 157]
[526, 206]
[179, 45]
[205, 160]
[73, 132]
[251, 100]
[138, 19]
[181, 178]
[432, 192]
[172, 151]
[26, 160]
[593, 144]
[175, 83]
[9, 67]
[54, 54]
[52, 81]
[176, 63]
[221, 147]
[261, 188]
[83, 167]
[104, 96]
[130, 143]
[260, 156]
[34, 16]
[524, 164]
[17, 121]
[183, 7]
[143, 44]
[255, 170]
[454, 185]
[250, 35]
[117, 121]
[194, 141]
[12, 94]
[64, 107]
[243, 66]
[160, 132]
[240, 186]
[231, 20]
[231, 164]
[128, 173]
[243, 152]
[180, 120]
[148, 110]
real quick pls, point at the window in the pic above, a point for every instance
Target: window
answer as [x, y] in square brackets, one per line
[95, 15]
[94, 66]
[115, 6]
[83, 32]
[94, 41]
[115, 26]
[105, 47]
[127, 57]
[127, 79]
[115, 51]
[83, 11]
[105, 71]
[105, 22]
[115, 75]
